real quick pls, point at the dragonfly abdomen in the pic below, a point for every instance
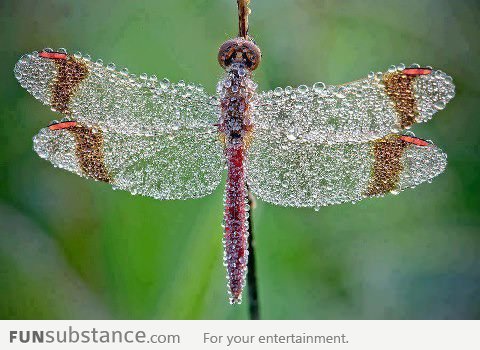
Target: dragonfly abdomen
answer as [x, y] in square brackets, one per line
[235, 221]
[236, 91]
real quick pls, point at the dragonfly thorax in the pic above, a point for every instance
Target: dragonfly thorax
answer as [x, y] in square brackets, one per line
[236, 91]
[239, 50]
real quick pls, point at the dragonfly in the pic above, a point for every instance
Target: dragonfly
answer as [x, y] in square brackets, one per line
[308, 146]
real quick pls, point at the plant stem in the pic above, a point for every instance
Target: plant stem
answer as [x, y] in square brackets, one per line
[253, 306]
[243, 12]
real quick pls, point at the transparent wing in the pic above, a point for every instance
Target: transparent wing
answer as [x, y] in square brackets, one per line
[163, 167]
[362, 110]
[305, 174]
[98, 95]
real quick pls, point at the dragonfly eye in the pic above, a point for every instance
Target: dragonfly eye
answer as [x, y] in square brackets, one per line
[239, 50]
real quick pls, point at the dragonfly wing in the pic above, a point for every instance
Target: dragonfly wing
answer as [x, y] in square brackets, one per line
[178, 166]
[362, 110]
[306, 174]
[98, 95]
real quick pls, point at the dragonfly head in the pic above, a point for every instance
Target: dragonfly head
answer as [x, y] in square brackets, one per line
[239, 50]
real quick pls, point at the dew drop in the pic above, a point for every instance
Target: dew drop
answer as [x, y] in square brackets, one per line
[340, 92]
[439, 105]
[165, 83]
[291, 137]
[302, 89]
[319, 86]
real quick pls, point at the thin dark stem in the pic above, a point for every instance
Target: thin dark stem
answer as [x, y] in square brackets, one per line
[253, 306]
[243, 12]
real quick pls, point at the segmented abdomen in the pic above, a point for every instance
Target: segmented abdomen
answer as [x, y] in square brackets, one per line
[235, 219]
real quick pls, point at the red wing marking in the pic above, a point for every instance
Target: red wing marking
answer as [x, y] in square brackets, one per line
[62, 125]
[387, 166]
[53, 55]
[414, 140]
[417, 71]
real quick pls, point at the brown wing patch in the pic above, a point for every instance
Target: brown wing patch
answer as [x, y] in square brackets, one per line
[70, 72]
[399, 87]
[89, 152]
[387, 165]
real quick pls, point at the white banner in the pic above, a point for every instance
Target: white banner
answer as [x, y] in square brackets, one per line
[370, 335]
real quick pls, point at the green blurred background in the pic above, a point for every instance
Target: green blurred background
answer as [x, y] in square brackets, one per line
[72, 248]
